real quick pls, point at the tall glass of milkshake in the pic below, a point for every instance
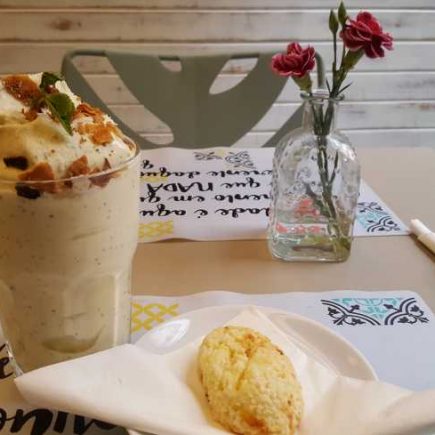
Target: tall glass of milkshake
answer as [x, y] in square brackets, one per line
[69, 189]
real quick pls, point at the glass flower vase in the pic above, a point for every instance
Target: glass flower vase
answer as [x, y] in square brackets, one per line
[315, 188]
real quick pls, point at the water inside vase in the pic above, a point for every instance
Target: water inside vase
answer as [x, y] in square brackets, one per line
[309, 238]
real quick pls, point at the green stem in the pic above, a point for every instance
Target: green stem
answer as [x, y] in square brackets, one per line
[317, 202]
[324, 202]
[334, 64]
[334, 171]
[343, 53]
[348, 62]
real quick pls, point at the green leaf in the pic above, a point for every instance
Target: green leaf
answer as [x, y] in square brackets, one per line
[62, 109]
[333, 22]
[343, 89]
[48, 79]
[342, 14]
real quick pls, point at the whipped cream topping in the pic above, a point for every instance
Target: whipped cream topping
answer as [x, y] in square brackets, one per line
[27, 142]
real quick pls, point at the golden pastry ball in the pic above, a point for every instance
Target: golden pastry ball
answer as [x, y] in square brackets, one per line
[250, 384]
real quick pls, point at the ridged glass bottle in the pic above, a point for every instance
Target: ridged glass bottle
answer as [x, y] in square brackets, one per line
[315, 188]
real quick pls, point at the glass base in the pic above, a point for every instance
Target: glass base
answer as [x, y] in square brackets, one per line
[13, 362]
[322, 249]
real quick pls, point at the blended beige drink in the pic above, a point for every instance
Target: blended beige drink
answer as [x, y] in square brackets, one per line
[68, 223]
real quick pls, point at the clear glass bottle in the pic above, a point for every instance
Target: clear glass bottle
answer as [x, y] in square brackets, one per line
[315, 188]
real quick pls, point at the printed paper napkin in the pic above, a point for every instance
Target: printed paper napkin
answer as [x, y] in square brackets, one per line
[162, 393]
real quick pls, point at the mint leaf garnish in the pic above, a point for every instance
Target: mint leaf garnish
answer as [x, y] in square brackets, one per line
[60, 105]
[62, 108]
[49, 79]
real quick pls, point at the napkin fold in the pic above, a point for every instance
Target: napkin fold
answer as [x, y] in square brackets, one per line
[162, 394]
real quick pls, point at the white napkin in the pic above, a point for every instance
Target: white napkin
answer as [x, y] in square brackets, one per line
[162, 394]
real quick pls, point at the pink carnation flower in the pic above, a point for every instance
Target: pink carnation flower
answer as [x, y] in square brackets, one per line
[366, 33]
[297, 62]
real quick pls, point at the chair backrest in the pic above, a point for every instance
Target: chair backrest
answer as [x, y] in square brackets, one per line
[182, 99]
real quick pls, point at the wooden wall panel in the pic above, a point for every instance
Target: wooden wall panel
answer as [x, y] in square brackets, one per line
[372, 115]
[367, 87]
[194, 26]
[392, 101]
[360, 138]
[217, 4]
[31, 57]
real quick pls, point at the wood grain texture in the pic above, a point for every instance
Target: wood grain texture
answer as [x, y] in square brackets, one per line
[392, 98]
[366, 87]
[406, 137]
[400, 114]
[32, 57]
[195, 26]
[216, 4]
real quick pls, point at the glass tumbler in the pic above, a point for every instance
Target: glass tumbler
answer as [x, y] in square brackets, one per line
[66, 249]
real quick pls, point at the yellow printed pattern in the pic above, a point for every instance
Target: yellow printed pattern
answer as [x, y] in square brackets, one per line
[154, 178]
[153, 230]
[222, 152]
[149, 315]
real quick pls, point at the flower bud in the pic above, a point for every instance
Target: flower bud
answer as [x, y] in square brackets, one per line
[342, 14]
[333, 22]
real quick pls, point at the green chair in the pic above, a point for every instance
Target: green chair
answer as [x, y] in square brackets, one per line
[182, 99]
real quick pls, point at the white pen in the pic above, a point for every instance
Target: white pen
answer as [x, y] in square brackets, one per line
[423, 233]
